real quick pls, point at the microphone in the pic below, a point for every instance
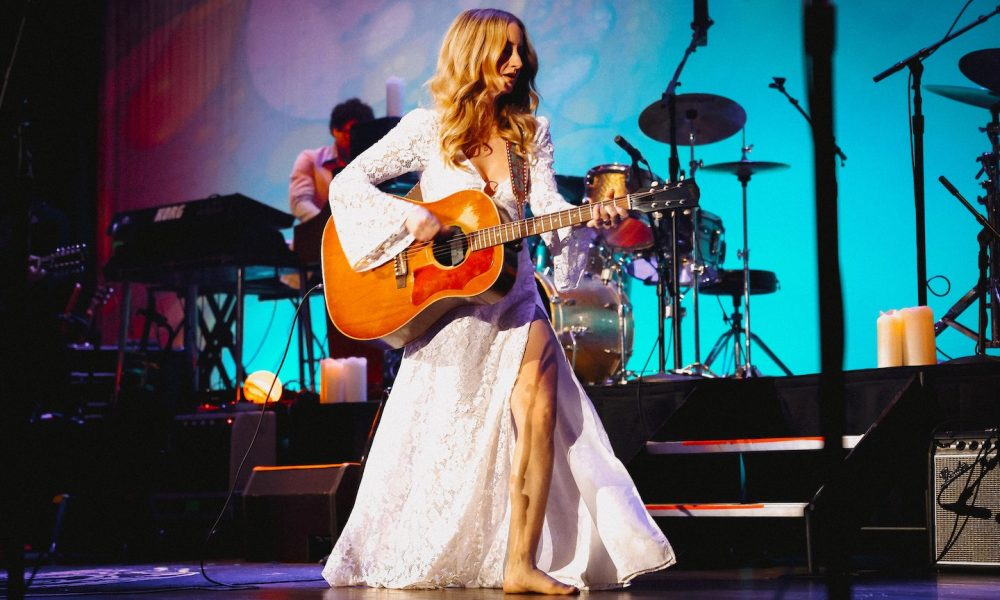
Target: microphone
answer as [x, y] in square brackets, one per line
[627, 147]
[779, 83]
[947, 184]
[701, 22]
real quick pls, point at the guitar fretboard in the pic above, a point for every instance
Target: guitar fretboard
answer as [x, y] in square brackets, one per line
[516, 230]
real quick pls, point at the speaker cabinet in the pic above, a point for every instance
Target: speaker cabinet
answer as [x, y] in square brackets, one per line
[296, 513]
[965, 499]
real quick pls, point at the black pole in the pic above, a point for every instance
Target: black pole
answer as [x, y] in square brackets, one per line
[917, 126]
[819, 46]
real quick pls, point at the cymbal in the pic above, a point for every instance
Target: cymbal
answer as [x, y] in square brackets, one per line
[709, 118]
[745, 167]
[982, 67]
[968, 95]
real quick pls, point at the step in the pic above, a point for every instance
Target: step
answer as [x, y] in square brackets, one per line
[783, 444]
[711, 510]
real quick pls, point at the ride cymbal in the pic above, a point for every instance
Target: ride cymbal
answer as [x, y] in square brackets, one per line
[982, 67]
[701, 119]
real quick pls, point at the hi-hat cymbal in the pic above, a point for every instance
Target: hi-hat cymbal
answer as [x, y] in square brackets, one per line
[701, 119]
[982, 67]
[745, 167]
[968, 95]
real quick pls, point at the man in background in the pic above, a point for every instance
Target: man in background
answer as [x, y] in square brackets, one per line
[308, 192]
[314, 169]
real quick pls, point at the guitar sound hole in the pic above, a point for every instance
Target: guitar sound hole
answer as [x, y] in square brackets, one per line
[450, 247]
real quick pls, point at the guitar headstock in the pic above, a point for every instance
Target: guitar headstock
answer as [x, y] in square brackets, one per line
[683, 194]
[65, 260]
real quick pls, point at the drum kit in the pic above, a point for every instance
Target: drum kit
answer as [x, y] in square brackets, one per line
[983, 68]
[594, 321]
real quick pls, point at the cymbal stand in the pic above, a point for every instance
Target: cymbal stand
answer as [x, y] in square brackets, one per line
[697, 269]
[744, 177]
[987, 289]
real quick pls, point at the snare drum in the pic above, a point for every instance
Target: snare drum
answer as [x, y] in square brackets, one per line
[633, 234]
[593, 324]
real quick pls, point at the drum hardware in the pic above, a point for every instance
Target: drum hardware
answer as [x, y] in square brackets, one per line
[915, 63]
[744, 169]
[705, 118]
[736, 284]
[987, 289]
[659, 121]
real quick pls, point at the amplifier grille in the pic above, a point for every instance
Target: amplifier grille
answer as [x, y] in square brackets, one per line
[966, 503]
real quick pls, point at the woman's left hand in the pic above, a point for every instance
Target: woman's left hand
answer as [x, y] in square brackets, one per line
[607, 216]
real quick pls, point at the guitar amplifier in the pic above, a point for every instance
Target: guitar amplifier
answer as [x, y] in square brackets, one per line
[964, 505]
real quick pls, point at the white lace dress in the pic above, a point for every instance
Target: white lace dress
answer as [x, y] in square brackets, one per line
[433, 506]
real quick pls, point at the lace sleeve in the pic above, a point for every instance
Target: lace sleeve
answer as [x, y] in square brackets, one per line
[370, 222]
[568, 245]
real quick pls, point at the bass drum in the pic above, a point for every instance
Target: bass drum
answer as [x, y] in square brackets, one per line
[593, 324]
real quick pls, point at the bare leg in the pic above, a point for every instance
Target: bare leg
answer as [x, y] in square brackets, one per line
[533, 408]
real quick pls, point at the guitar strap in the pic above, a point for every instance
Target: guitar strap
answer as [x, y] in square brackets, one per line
[520, 179]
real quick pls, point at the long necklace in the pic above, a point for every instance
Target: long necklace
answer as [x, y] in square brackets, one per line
[520, 181]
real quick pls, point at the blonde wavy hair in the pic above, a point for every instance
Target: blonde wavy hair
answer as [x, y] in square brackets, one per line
[464, 86]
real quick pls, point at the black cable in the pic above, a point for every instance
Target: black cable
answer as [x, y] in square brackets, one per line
[267, 330]
[955, 22]
[638, 385]
[947, 283]
[246, 454]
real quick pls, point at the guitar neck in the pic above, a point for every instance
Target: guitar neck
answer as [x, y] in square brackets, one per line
[516, 230]
[655, 199]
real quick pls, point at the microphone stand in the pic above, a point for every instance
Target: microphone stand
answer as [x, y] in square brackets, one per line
[916, 65]
[669, 98]
[779, 84]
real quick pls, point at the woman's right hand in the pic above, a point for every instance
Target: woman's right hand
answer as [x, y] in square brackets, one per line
[422, 224]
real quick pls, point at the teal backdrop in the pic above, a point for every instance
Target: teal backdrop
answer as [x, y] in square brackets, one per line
[218, 96]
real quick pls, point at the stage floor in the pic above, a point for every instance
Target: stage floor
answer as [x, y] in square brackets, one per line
[275, 581]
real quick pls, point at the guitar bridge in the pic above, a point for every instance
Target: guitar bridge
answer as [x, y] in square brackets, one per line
[401, 268]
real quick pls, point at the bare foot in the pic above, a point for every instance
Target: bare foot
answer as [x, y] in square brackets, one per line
[534, 581]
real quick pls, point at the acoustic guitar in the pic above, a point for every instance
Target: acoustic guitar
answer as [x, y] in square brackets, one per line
[472, 260]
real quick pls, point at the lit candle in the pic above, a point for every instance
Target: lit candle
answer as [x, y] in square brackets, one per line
[331, 386]
[918, 336]
[890, 339]
[394, 97]
[355, 379]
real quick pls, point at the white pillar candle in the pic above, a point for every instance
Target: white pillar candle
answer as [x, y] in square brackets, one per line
[331, 387]
[890, 339]
[394, 97]
[918, 336]
[355, 379]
